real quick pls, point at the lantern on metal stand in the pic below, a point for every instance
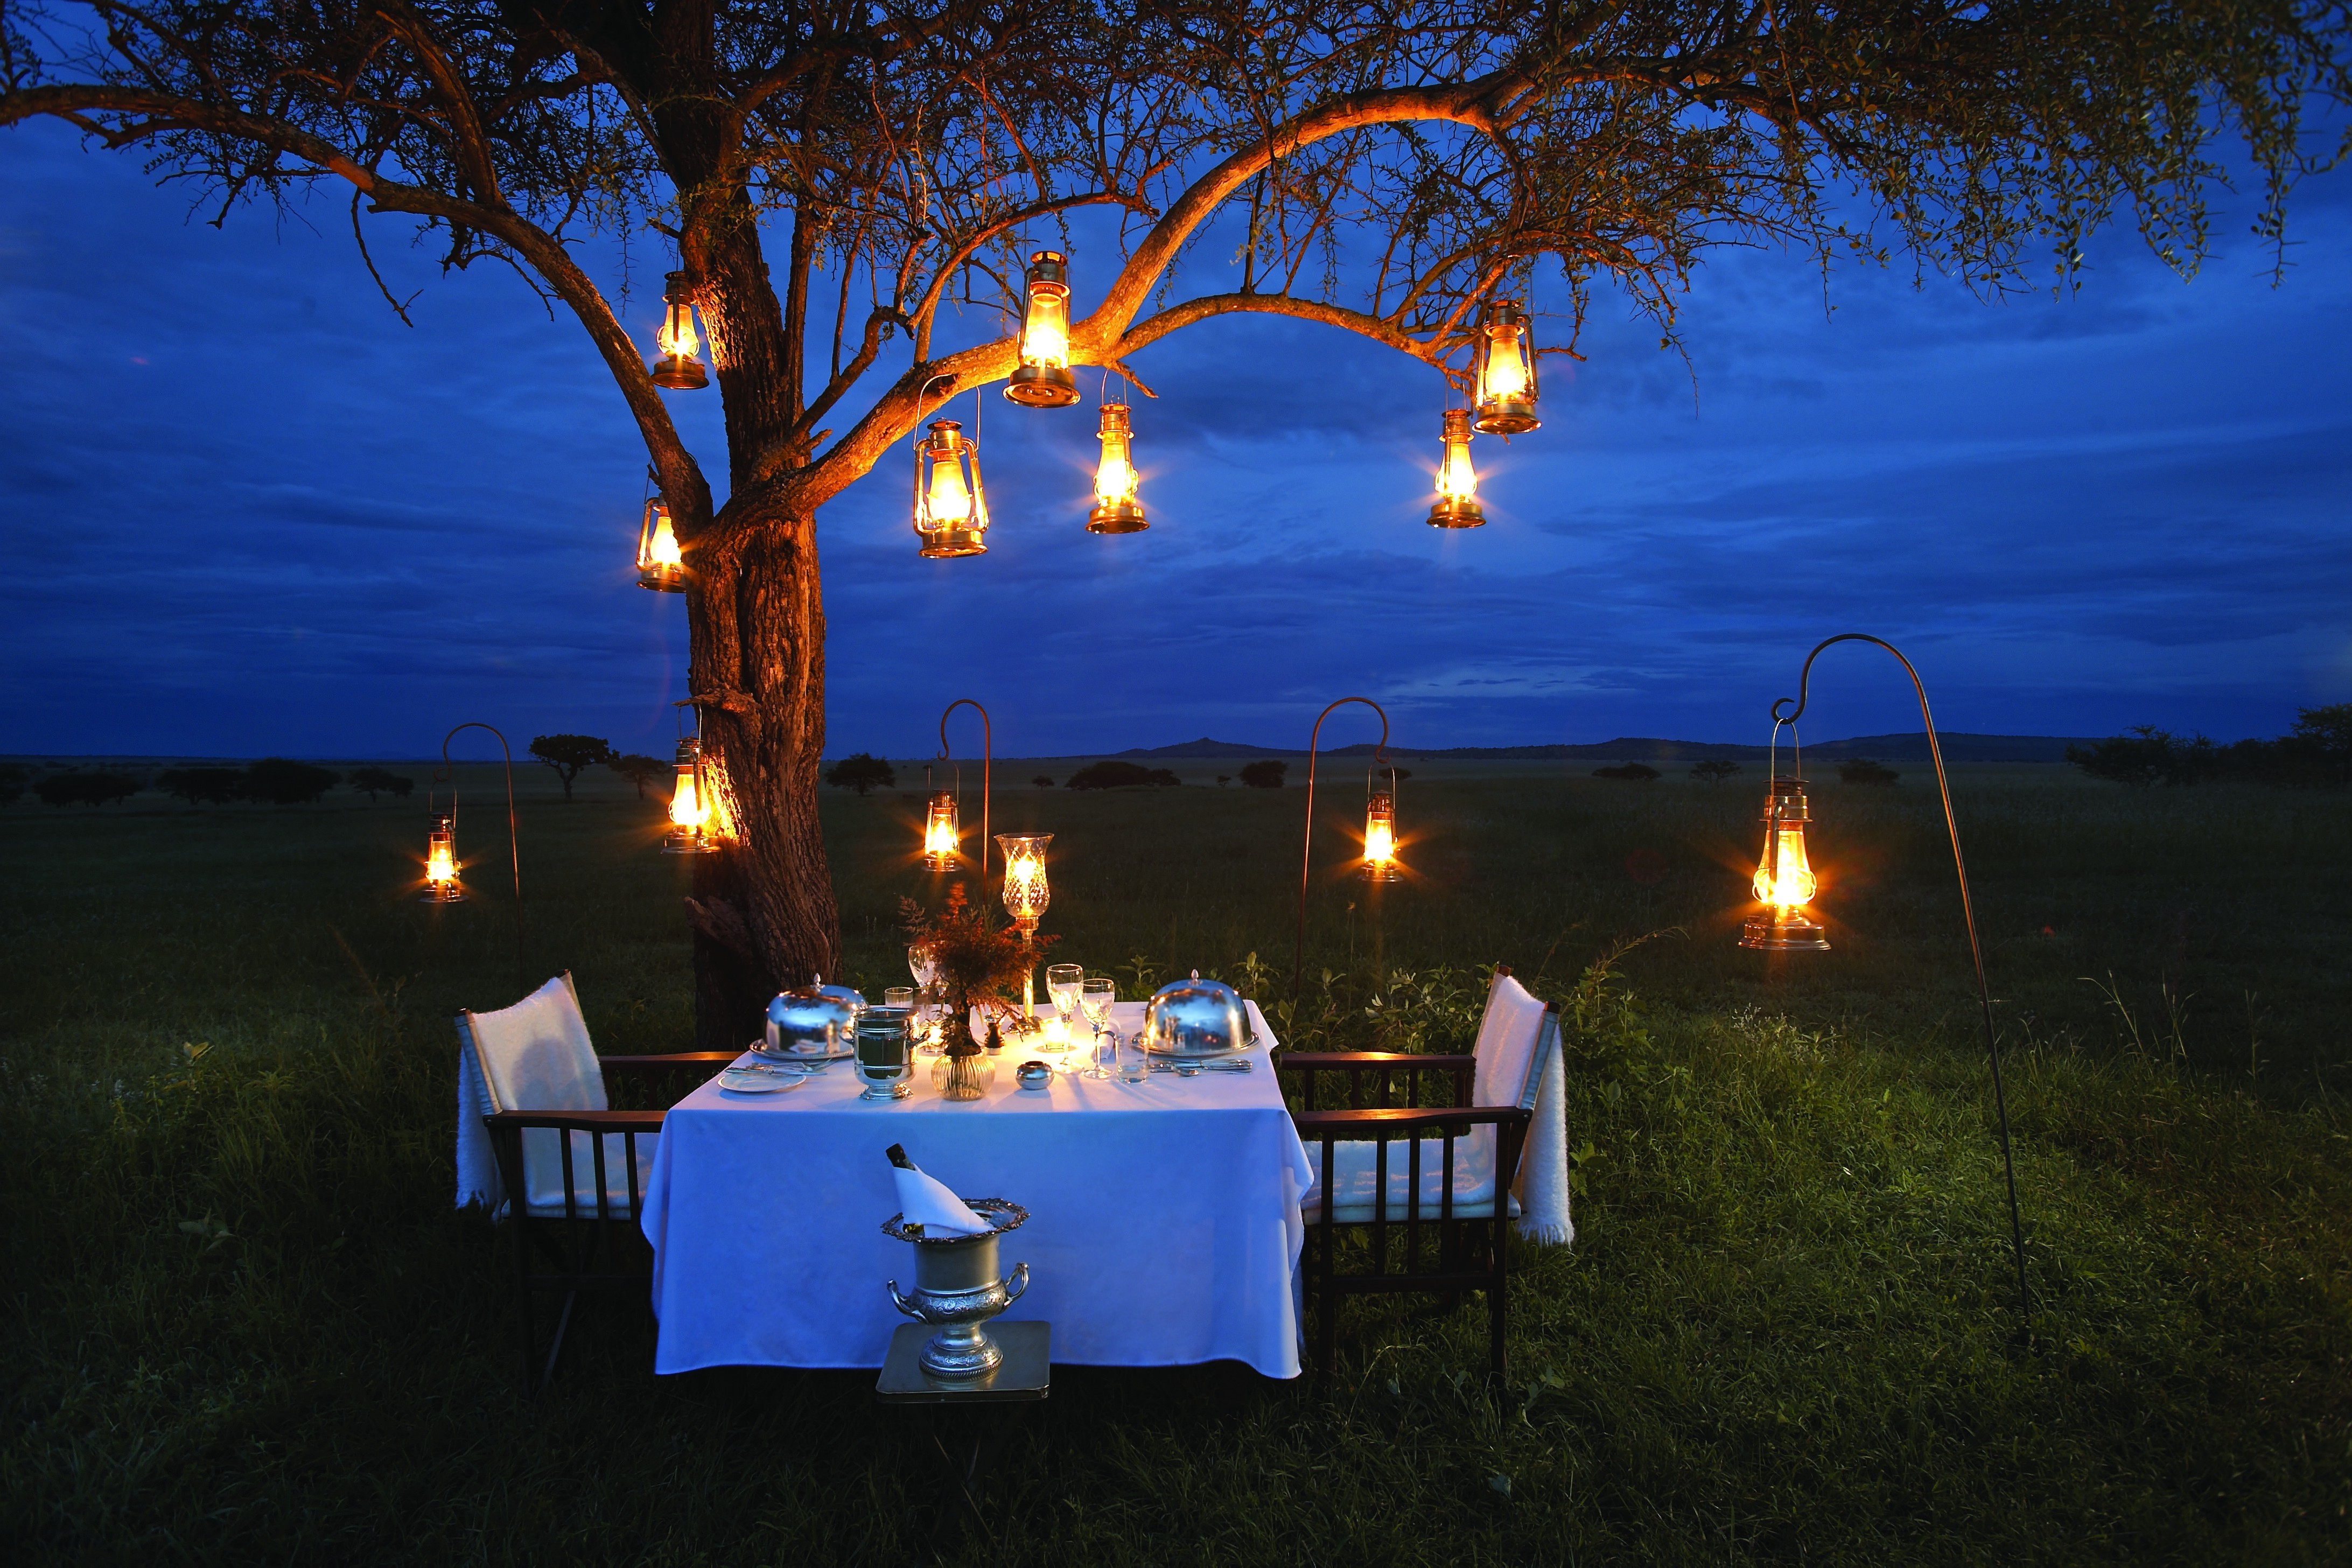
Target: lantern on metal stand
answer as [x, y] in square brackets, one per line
[1379, 863]
[1116, 509]
[441, 885]
[1507, 371]
[660, 565]
[1043, 378]
[1784, 882]
[1457, 483]
[951, 506]
[679, 369]
[442, 866]
[689, 804]
[942, 833]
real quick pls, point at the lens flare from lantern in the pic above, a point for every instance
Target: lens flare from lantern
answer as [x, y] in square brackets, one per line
[1380, 839]
[1116, 509]
[1457, 482]
[943, 836]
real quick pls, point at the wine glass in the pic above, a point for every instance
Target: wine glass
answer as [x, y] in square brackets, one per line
[927, 1015]
[1062, 984]
[1095, 994]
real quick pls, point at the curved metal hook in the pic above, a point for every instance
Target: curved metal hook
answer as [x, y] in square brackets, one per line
[447, 775]
[988, 763]
[1307, 849]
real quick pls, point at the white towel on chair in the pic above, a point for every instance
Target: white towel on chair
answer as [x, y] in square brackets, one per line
[1543, 1163]
[477, 1167]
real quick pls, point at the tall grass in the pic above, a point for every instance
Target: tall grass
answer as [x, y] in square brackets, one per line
[247, 1325]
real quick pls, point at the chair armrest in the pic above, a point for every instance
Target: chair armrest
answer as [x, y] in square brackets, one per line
[1318, 1126]
[581, 1120]
[1302, 1061]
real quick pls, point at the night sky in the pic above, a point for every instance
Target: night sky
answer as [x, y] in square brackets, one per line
[248, 510]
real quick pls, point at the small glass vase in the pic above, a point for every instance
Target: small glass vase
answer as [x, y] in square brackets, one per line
[964, 1072]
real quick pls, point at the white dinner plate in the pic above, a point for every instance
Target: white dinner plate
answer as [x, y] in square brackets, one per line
[760, 1081]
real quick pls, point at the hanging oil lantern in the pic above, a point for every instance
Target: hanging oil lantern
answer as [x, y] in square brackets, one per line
[1044, 379]
[1784, 882]
[1116, 509]
[1380, 838]
[441, 886]
[689, 804]
[660, 566]
[1025, 893]
[951, 508]
[1507, 371]
[679, 369]
[942, 837]
[1457, 482]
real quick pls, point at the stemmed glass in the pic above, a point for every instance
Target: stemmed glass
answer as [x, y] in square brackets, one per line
[1062, 984]
[920, 965]
[1095, 994]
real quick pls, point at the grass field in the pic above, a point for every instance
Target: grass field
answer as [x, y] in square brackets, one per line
[248, 1326]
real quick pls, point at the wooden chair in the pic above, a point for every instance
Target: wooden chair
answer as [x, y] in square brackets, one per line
[571, 1169]
[1447, 1191]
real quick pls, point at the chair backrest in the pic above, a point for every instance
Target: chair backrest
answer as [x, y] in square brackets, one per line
[536, 1055]
[1506, 1053]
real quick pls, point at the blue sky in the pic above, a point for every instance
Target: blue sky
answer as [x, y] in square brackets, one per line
[248, 510]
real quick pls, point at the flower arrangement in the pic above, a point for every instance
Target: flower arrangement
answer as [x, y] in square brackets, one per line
[974, 961]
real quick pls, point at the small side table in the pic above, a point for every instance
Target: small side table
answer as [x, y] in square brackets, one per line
[1025, 1377]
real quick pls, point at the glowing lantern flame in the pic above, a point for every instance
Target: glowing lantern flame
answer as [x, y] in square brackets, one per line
[660, 565]
[686, 808]
[1115, 480]
[689, 804]
[677, 369]
[1506, 377]
[1043, 379]
[441, 862]
[1045, 336]
[1457, 482]
[951, 510]
[664, 549]
[942, 837]
[1380, 838]
[1025, 893]
[950, 499]
[678, 335]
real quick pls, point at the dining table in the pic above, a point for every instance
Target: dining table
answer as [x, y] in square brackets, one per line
[1163, 1228]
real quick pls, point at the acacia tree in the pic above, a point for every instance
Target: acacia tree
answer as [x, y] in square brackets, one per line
[831, 173]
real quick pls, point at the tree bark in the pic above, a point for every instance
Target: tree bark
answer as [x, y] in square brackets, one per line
[763, 912]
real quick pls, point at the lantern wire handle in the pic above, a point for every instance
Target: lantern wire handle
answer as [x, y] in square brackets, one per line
[1307, 850]
[988, 761]
[448, 774]
[1968, 912]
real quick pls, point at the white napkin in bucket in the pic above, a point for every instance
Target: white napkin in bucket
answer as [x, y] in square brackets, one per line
[926, 1201]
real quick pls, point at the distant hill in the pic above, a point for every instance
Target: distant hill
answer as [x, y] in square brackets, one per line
[1908, 748]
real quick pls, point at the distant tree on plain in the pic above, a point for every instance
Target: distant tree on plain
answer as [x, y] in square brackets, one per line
[1865, 771]
[1632, 772]
[1715, 770]
[13, 780]
[1113, 774]
[861, 770]
[1224, 779]
[2144, 756]
[639, 770]
[371, 780]
[78, 788]
[2325, 734]
[283, 781]
[1265, 774]
[1041, 782]
[2316, 754]
[203, 786]
[568, 754]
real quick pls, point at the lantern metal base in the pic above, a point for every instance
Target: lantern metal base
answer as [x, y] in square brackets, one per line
[1380, 873]
[442, 893]
[1451, 513]
[1773, 933]
[662, 579]
[935, 861]
[1041, 386]
[688, 843]
[1124, 518]
[681, 372]
[1506, 417]
[948, 543]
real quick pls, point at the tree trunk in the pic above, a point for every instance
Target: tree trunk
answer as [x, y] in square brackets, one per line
[763, 912]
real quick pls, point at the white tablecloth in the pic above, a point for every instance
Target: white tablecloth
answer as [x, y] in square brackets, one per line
[1163, 1217]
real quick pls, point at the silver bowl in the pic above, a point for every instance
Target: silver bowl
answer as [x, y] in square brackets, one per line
[813, 1021]
[1196, 1017]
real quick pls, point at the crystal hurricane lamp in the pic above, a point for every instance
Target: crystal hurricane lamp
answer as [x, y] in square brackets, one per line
[679, 369]
[441, 861]
[1784, 883]
[1116, 509]
[1507, 372]
[660, 566]
[1457, 482]
[1044, 379]
[941, 836]
[1025, 893]
[951, 508]
[1380, 838]
[689, 804]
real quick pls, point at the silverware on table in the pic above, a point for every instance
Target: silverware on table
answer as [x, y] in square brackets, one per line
[1192, 1068]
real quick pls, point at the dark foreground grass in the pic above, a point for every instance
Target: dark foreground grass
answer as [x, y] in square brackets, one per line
[245, 1325]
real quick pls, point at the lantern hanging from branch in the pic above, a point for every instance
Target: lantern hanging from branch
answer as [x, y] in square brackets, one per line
[689, 804]
[943, 836]
[1116, 509]
[1380, 837]
[951, 506]
[441, 885]
[1507, 371]
[660, 566]
[679, 369]
[1025, 893]
[1457, 482]
[1044, 379]
[1784, 882]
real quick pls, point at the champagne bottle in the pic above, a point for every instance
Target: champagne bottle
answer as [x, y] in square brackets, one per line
[897, 1153]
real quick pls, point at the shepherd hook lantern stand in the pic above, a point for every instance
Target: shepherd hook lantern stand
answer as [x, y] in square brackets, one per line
[987, 762]
[448, 775]
[1307, 850]
[1968, 913]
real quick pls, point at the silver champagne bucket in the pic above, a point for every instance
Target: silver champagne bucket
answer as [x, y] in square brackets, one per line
[957, 1287]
